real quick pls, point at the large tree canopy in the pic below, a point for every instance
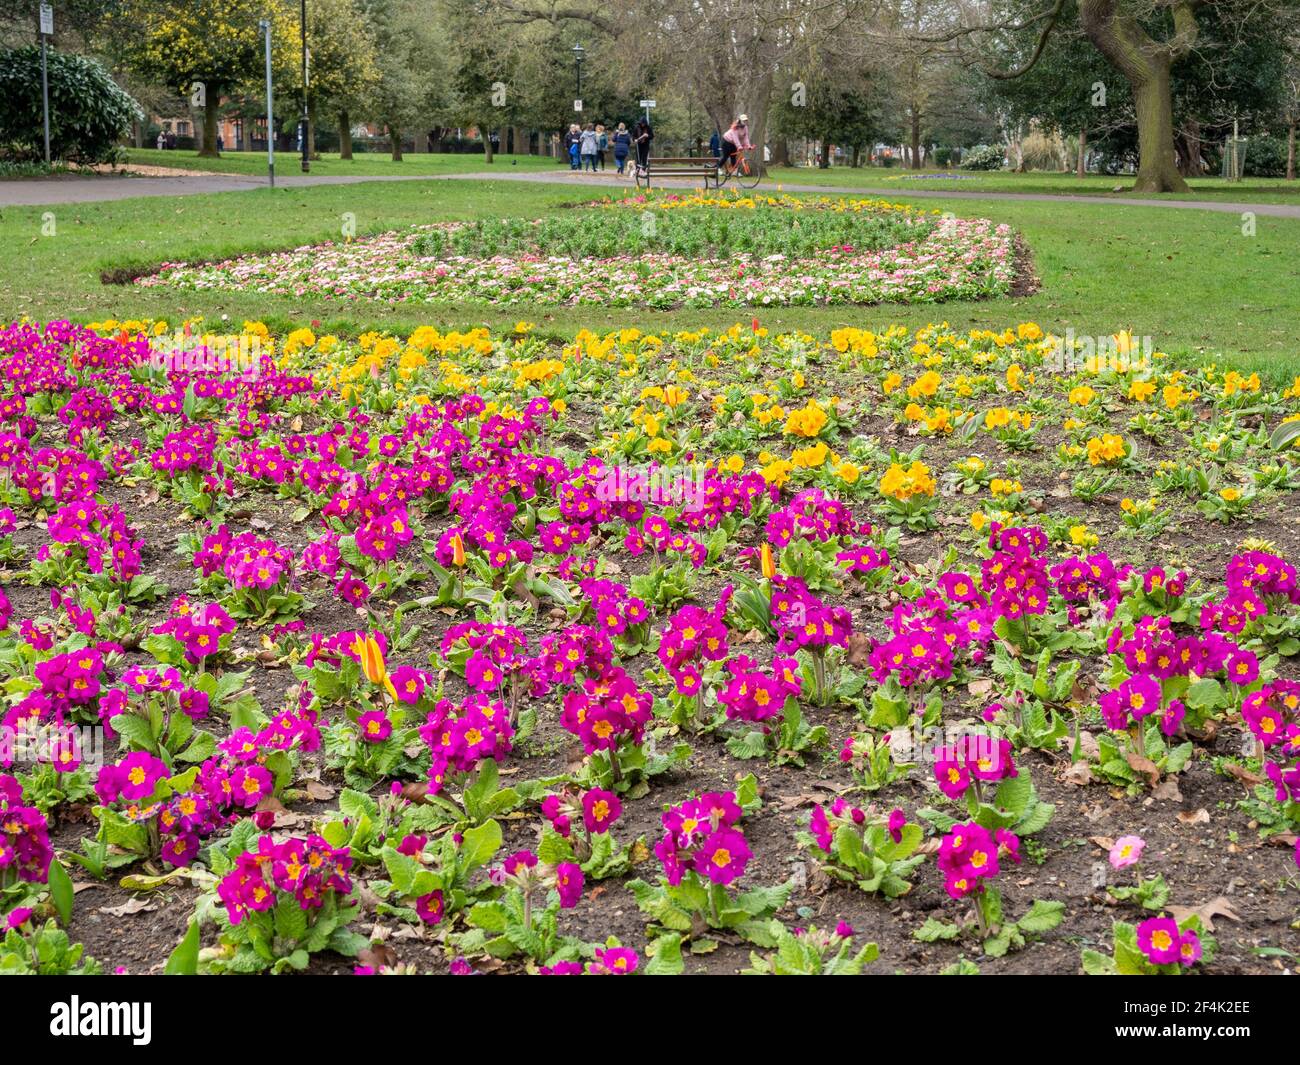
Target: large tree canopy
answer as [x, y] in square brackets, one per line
[203, 49]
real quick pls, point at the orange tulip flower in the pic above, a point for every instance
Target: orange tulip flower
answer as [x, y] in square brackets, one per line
[372, 663]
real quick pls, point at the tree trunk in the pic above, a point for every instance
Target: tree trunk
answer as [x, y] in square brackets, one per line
[345, 136]
[395, 139]
[781, 152]
[759, 102]
[312, 153]
[1188, 143]
[486, 134]
[1157, 161]
[826, 153]
[1082, 167]
[1145, 64]
[916, 138]
[1290, 151]
[211, 103]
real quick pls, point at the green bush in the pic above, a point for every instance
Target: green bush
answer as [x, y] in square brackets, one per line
[987, 157]
[1265, 157]
[89, 112]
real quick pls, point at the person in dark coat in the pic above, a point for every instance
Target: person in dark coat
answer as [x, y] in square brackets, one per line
[622, 146]
[641, 139]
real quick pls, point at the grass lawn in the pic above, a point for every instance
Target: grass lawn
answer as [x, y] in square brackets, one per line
[1189, 279]
[366, 164]
[1263, 190]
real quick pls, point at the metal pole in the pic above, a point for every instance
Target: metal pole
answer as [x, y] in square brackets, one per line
[270, 118]
[45, 100]
[306, 150]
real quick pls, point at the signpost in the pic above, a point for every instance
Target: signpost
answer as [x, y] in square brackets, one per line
[270, 120]
[47, 30]
[648, 105]
[305, 122]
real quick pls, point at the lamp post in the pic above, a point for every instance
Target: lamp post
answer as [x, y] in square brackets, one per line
[265, 24]
[579, 54]
[306, 148]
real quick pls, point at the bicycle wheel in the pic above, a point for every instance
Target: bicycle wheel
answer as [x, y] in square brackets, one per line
[749, 174]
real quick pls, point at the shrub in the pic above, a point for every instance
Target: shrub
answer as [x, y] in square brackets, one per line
[89, 113]
[1265, 157]
[988, 157]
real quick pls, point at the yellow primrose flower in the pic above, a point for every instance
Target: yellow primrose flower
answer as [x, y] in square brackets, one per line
[1082, 536]
[1105, 449]
[902, 484]
[1141, 390]
[926, 385]
[809, 421]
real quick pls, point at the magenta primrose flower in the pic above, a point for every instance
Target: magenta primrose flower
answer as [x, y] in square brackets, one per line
[1161, 941]
[374, 726]
[614, 961]
[700, 838]
[600, 809]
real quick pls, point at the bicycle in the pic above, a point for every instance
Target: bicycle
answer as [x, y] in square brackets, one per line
[745, 173]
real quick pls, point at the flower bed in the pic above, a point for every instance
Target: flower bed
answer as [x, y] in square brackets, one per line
[551, 655]
[675, 251]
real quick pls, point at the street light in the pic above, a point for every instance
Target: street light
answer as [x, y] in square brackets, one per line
[579, 54]
[265, 24]
[306, 148]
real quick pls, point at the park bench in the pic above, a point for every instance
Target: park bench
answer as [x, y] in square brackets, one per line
[702, 166]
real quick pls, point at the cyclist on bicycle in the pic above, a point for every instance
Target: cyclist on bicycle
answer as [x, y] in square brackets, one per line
[735, 141]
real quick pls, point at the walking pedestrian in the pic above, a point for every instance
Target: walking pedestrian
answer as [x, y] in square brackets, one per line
[572, 139]
[622, 146]
[602, 144]
[589, 142]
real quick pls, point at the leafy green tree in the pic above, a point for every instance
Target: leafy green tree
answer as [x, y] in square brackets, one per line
[1236, 71]
[412, 59]
[344, 64]
[829, 111]
[202, 51]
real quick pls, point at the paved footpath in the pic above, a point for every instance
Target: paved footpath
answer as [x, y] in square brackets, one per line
[67, 189]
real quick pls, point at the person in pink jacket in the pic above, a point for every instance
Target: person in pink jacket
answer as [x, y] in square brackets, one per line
[735, 141]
